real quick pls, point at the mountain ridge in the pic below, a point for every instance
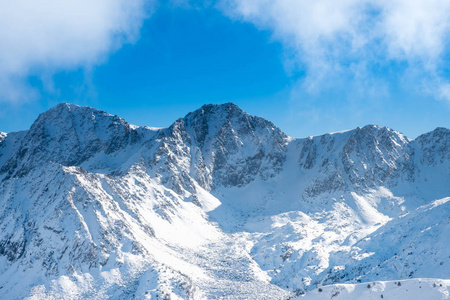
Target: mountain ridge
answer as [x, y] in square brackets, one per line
[220, 204]
[70, 106]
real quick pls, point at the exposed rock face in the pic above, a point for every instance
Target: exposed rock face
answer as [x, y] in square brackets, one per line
[434, 147]
[361, 158]
[69, 135]
[222, 146]
[91, 206]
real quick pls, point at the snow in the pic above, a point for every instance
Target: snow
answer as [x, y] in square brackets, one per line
[220, 205]
[411, 289]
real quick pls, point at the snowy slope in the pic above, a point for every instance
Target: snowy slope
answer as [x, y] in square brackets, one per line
[220, 204]
[412, 289]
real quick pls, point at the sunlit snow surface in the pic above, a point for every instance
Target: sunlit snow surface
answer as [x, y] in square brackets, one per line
[220, 205]
[410, 289]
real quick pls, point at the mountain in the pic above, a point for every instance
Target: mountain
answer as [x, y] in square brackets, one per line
[219, 205]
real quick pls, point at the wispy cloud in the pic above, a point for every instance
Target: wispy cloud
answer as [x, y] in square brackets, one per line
[53, 35]
[333, 42]
[356, 39]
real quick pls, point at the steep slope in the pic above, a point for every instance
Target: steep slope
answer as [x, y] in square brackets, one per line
[69, 135]
[360, 158]
[403, 246]
[412, 289]
[8, 148]
[77, 233]
[218, 146]
[220, 204]
[67, 232]
[305, 223]
[428, 168]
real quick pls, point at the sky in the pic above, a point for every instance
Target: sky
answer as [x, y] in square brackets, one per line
[309, 66]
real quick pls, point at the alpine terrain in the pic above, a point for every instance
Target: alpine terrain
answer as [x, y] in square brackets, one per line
[220, 205]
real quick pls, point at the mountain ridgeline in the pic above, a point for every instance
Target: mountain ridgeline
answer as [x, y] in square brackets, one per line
[221, 204]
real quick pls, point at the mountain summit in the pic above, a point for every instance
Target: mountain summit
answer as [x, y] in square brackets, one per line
[221, 204]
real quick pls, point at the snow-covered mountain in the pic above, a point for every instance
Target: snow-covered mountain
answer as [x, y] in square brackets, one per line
[220, 205]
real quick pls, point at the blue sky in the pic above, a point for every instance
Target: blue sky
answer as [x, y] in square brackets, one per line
[310, 67]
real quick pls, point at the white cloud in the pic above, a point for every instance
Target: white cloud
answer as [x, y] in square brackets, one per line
[416, 29]
[58, 35]
[331, 39]
[444, 91]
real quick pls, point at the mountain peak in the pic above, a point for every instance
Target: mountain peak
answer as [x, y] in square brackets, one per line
[216, 110]
[226, 121]
[437, 135]
[69, 134]
[434, 146]
[68, 117]
[227, 105]
[373, 129]
[65, 105]
[232, 147]
[378, 134]
[63, 110]
[441, 130]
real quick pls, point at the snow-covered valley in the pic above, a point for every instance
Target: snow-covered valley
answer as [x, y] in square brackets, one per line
[220, 205]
